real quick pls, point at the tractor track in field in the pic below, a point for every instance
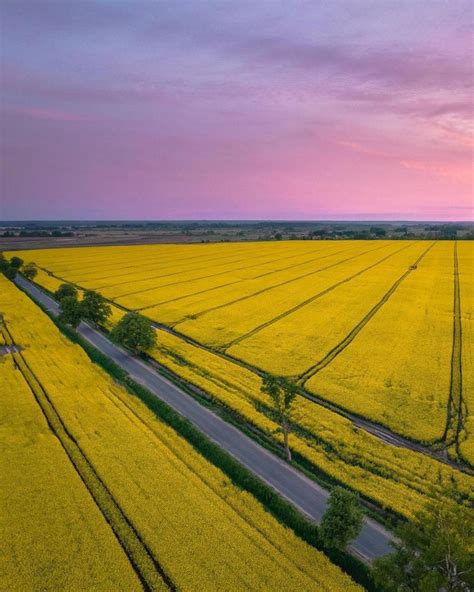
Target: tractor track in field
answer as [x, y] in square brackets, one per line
[79, 287]
[203, 277]
[278, 285]
[457, 408]
[148, 261]
[240, 281]
[206, 290]
[202, 268]
[148, 569]
[335, 351]
[309, 300]
[378, 430]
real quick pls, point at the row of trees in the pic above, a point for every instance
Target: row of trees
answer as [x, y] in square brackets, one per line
[133, 331]
[12, 267]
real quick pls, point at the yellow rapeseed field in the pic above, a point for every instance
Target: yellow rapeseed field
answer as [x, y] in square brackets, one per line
[204, 532]
[397, 368]
[394, 478]
[367, 325]
[52, 535]
[466, 281]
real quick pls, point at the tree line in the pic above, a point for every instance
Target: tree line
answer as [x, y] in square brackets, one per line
[133, 330]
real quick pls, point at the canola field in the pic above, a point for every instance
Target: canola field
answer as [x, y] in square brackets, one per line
[365, 325]
[109, 493]
[393, 478]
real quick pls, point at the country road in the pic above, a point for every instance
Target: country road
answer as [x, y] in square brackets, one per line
[303, 493]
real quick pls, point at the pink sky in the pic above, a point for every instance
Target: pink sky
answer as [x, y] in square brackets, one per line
[238, 110]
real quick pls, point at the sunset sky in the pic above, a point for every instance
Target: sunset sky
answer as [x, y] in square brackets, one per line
[237, 110]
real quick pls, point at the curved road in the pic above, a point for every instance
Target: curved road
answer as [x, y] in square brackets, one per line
[306, 495]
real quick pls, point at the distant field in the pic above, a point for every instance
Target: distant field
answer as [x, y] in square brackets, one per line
[85, 460]
[367, 325]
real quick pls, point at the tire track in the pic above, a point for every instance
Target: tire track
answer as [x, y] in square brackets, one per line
[309, 300]
[258, 276]
[206, 266]
[149, 259]
[242, 298]
[225, 272]
[150, 573]
[121, 403]
[456, 410]
[239, 281]
[329, 357]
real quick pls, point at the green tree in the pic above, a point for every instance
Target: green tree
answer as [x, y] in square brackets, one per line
[434, 552]
[95, 308]
[135, 332]
[29, 271]
[4, 265]
[65, 291]
[282, 393]
[70, 311]
[10, 272]
[16, 262]
[343, 519]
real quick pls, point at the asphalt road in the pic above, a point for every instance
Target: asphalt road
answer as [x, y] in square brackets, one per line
[304, 494]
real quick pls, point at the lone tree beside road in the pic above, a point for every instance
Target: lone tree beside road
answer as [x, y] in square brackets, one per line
[95, 308]
[135, 332]
[434, 552]
[342, 520]
[29, 271]
[70, 311]
[65, 291]
[282, 393]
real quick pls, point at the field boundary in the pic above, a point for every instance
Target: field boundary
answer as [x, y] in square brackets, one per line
[457, 408]
[150, 573]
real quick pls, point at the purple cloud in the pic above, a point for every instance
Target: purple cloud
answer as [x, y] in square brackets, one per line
[224, 109]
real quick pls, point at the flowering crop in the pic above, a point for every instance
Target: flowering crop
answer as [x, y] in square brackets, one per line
[204, 532]
[383, 336]
[466, 281]
[52, 536]
[396, 371]
[395, 478]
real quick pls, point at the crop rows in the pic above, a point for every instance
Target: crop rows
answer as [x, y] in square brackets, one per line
[465, 444]
[396, 370]
[307, 301]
